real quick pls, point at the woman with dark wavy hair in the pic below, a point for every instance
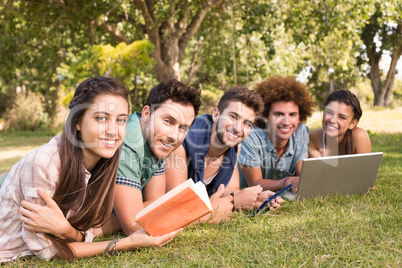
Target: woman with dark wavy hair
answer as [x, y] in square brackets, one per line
[340, 134]
[54, 196]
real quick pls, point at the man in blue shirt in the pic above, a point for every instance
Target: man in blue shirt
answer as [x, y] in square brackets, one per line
[271, 156]
[210, 151]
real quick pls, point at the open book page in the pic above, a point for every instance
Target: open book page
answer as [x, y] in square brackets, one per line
[165, 197]
[202, 193]
[177, 208]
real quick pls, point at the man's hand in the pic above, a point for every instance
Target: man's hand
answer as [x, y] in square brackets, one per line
[246, 199]
[276, 203]
[221, 207]
[294, 181]
[44, 219]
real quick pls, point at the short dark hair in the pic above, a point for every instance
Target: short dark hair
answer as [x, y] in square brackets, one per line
[176, 91]
[286, 89]
[244, 95]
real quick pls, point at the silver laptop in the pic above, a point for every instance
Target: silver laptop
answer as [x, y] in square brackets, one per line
[344, 174]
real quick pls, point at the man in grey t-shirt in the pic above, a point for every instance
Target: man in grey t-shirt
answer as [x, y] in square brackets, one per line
[271, 155]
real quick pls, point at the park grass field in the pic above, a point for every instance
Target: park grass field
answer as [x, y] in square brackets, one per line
[331, 231]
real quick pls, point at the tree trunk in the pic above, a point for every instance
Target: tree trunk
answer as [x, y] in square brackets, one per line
[388, 85]
[383, 92]
[375, 76]
[171, 36]
[168, 65]
[391, 42]
[194, 66]
[389, 81]
[165, 71]
[50, 106]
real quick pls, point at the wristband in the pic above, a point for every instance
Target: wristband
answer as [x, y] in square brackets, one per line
[284, 181]
[78, 236]
[232, 194]
[114, 243]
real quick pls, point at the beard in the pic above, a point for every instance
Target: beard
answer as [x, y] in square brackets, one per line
[221, 137]
[154, 152]
[219, 134]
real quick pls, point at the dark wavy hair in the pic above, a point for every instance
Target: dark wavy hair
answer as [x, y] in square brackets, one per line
[177, 92]
[95, 200]
[350, 99]
[244, 95]
[286, 89]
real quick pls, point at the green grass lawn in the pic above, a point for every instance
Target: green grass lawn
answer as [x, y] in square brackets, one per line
[332, 231]
[13, 146]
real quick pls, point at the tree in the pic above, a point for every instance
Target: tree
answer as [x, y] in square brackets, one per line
[35, 39]
[250, 46]
[131, 64]
[329, 33]
[170, 25]
[383, 31]
[38, 36]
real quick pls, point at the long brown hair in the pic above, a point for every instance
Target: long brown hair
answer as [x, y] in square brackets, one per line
[350, 99]
[93, 202]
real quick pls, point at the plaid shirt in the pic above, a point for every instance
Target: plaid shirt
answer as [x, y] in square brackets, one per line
[38, 169]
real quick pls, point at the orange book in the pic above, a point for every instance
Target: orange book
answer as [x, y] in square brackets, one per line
[177, 208]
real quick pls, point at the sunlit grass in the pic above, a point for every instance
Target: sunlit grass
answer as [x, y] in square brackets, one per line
[382, 120]
[330, 231]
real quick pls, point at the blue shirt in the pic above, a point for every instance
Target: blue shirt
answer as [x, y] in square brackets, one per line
[196, 145]
[258, 151]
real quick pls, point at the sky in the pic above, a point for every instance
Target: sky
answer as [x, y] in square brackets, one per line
[386, 61]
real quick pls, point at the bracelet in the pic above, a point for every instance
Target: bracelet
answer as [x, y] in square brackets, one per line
[78, 236]
[284, 181]
[232, 194]
[114, 241]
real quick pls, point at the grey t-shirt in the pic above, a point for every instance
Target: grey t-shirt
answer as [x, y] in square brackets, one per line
[258, 151]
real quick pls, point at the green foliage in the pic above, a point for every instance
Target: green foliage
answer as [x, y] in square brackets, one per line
[210, 99]
[256, 41]
[131, 64]
[26, 114]
[35, 39]
[381, 33]
[330, 32]
[49, 47]
[385, 17]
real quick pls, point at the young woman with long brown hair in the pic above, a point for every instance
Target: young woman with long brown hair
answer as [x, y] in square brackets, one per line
[78, 170]
[340, 134]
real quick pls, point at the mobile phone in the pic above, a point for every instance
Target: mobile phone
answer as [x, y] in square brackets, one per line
[264, 206]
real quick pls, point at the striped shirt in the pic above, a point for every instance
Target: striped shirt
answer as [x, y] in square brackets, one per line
[38, 169]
